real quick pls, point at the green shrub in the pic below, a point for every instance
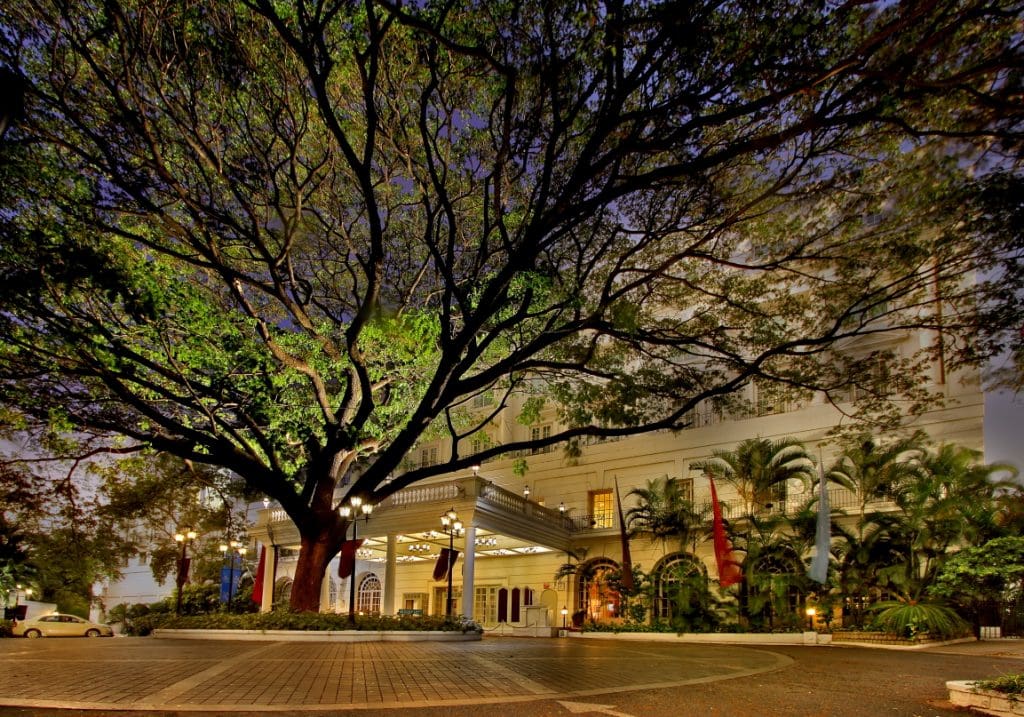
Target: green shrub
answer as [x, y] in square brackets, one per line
[130, 617]
[5, 628]
[286, 620]
[910, 619]
[1012, 685]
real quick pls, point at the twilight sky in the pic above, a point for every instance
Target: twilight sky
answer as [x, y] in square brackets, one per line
[1004, 429]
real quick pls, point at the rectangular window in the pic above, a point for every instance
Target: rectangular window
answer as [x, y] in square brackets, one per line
[686, 488]
[768, 399]
[441, 600]
[483, 399]
[538, 433]
[704, 414]
[879, 381]
[481, 441]
[602, 509]
[415, 601]
[428, 457]
[485, 605]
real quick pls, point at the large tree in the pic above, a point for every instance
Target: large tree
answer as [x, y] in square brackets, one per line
[295, 238]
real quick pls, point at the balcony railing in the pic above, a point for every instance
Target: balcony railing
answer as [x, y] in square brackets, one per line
[432, 493]
[514, 503]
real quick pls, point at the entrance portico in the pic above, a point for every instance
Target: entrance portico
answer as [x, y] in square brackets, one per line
[405, 528]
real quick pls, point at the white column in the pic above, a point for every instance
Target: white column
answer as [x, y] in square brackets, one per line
[388, 608]
[468, 550]
[269, 568]
[325, 589]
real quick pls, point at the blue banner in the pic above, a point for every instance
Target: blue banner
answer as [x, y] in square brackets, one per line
[229, 575]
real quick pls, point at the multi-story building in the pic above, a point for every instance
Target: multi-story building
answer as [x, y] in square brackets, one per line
[519, 529]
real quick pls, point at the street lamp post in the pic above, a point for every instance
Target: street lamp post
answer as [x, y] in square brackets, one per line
[184, 536]
[353, 510]
[450, 524]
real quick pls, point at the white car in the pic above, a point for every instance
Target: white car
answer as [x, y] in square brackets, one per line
[61, 625]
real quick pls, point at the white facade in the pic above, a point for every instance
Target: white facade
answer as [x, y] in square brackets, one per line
[519, 543]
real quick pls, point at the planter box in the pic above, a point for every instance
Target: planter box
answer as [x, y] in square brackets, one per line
[321, 635]
[989, 702]
[884, 639]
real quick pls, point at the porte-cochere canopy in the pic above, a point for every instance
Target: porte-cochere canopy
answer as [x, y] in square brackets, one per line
[405, 530]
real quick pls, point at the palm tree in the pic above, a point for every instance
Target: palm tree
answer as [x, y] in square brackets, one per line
[950, 501]
[965, 489]
[873, 471]
[759, 468]
[869, 551]
[664, 511]
[943, 497]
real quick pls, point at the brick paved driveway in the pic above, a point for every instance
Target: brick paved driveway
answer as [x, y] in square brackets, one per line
[166, 674]
[494, 678]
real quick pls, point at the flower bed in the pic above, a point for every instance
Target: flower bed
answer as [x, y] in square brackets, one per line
[283, 621]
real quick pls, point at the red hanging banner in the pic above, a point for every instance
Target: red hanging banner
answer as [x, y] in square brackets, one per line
[441, 566]
[257, 587]
[348, 557]
[729, 572]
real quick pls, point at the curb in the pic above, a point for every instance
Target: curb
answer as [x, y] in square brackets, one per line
[318, 635]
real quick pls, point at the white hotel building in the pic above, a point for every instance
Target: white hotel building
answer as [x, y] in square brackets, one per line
[518, 529]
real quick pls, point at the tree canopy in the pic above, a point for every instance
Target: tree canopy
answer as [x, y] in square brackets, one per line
[296, 238]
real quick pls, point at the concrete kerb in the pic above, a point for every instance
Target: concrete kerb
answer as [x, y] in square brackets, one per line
[320, 635]
[714, 638]
[964, 694]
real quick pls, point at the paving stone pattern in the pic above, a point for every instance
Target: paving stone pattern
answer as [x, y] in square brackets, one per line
[147, 673]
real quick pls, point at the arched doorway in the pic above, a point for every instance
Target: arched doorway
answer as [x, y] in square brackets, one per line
[549, 599]
[596, 599]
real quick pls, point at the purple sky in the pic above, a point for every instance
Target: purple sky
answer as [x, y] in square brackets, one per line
[1004, 429]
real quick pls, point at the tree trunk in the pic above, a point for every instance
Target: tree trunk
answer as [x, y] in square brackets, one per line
[314, 556]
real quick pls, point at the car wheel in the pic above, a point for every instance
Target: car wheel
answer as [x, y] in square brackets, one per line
[33, 633]
[92, 633]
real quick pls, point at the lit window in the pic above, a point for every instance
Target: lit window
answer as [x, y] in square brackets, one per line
[485, 605]
[602, 509]
[368, 596]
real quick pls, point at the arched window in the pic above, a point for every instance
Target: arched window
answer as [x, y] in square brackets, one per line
[680, 580]
[368, 595]
[503, 605]
[771, 593]
[283, 591]
[332, 593]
